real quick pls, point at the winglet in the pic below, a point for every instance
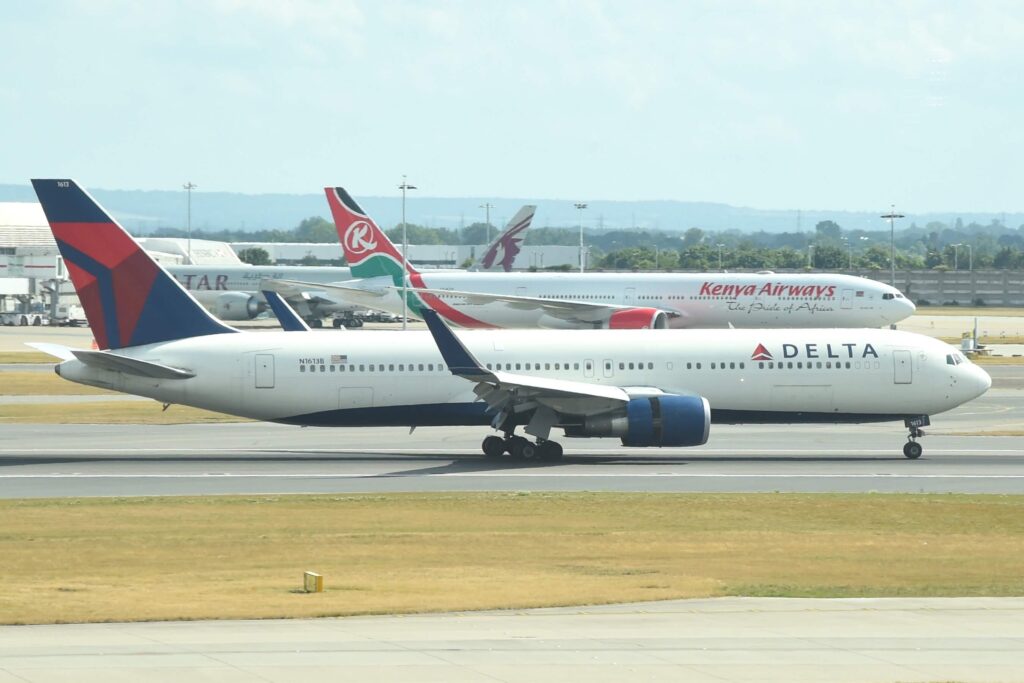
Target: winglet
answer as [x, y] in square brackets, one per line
[285, 314]
[460, 361]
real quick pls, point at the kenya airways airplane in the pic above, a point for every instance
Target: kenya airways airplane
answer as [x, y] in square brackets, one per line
[645, 388]
[600, 300]
[233, 292]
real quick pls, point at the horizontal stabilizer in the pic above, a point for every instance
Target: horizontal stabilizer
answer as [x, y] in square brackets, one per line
[130, 366]
[55, 350]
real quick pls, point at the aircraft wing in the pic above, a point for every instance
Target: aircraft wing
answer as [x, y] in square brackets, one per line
[506, 393]
[368, 293]
[582, 311]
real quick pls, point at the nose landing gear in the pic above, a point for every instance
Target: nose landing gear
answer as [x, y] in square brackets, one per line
[912, 449]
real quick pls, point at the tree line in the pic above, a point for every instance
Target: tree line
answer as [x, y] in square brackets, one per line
[933, 246]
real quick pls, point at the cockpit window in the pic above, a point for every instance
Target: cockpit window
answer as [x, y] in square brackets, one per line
[888, 295]
[955, 359]
[898, 295]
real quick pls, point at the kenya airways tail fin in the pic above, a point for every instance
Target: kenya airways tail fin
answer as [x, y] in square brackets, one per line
[501, 253]
[128, 298]
[367, 249]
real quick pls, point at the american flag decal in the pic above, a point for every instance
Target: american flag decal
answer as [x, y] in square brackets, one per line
[336, 359]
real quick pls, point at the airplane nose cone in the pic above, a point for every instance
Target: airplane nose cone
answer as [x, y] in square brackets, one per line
[979, 380]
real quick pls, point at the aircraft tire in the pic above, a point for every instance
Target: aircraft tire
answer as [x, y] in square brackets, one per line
[493, 446]
[912, 450]
[316, 323]
[336, 323]
[523, 449]
[550, 451]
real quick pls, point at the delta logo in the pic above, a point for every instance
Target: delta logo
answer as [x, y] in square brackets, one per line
[832, 351]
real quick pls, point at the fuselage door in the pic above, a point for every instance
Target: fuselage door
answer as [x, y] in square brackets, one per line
[903, 372]
[264, 371]
[847, 298]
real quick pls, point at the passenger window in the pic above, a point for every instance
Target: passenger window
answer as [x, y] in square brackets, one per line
[742, 366]
[518, 366]
[558, 366]
[323, 368]
[760, 365]
[630, 366]
[421, 367]
[391, 367]
[332, 368]
[362, 368]
[575, 366]
[688, 366]
[732, 366]
[670, 366]
[488, 366]
[622, 366]
[302, 368]
[547, 366]
[799, 365]
[712, 366]
[430, 367]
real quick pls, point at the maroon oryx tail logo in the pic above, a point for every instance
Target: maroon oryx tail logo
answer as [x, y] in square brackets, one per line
[761, 353]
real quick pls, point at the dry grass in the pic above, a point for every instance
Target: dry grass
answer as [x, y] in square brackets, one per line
[26, 357]
[986, 340]
[108, 412]
[27, 383]
[997, 360]
[242, 557]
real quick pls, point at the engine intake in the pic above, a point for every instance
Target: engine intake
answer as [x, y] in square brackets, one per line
[237, 306]
[664, 420]
[638, 319]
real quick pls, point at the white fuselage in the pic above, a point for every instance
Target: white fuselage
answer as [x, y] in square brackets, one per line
[399, 378]
[207, 283]
[701, 300]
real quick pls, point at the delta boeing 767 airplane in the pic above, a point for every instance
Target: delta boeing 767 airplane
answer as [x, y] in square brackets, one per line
[646, 388]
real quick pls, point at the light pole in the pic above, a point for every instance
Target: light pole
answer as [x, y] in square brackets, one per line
[892, 216]
[487, 207]
[810, 255]
[580, 206]
[720, 246]
[405, 258]
[188, 187]
[956, 255]
[849, 247]
[970, 258]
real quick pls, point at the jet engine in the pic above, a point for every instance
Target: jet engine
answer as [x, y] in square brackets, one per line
[236, 306]
[638, 319]
[663, 420]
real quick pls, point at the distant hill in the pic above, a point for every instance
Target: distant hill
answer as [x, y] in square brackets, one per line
[145, 211]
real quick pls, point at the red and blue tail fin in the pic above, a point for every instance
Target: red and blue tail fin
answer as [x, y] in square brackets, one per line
[367, 249]
[128, 298]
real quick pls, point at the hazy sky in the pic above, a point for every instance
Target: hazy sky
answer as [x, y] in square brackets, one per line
[840, 105]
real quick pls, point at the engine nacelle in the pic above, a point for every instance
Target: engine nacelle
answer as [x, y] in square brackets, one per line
[664, 420]
[236, 306]
[638, 319]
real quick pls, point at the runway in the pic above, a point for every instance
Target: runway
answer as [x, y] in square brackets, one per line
[726, 639]
[199, 459]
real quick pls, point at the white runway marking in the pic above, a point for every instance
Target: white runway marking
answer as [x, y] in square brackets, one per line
[476, 451]
[506, 475]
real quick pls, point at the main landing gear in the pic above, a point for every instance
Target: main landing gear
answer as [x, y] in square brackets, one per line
[912, 449]
[521, 448]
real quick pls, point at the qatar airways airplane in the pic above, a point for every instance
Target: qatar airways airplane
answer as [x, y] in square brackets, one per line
[599, 300]
[645, 388]
[233, 292]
